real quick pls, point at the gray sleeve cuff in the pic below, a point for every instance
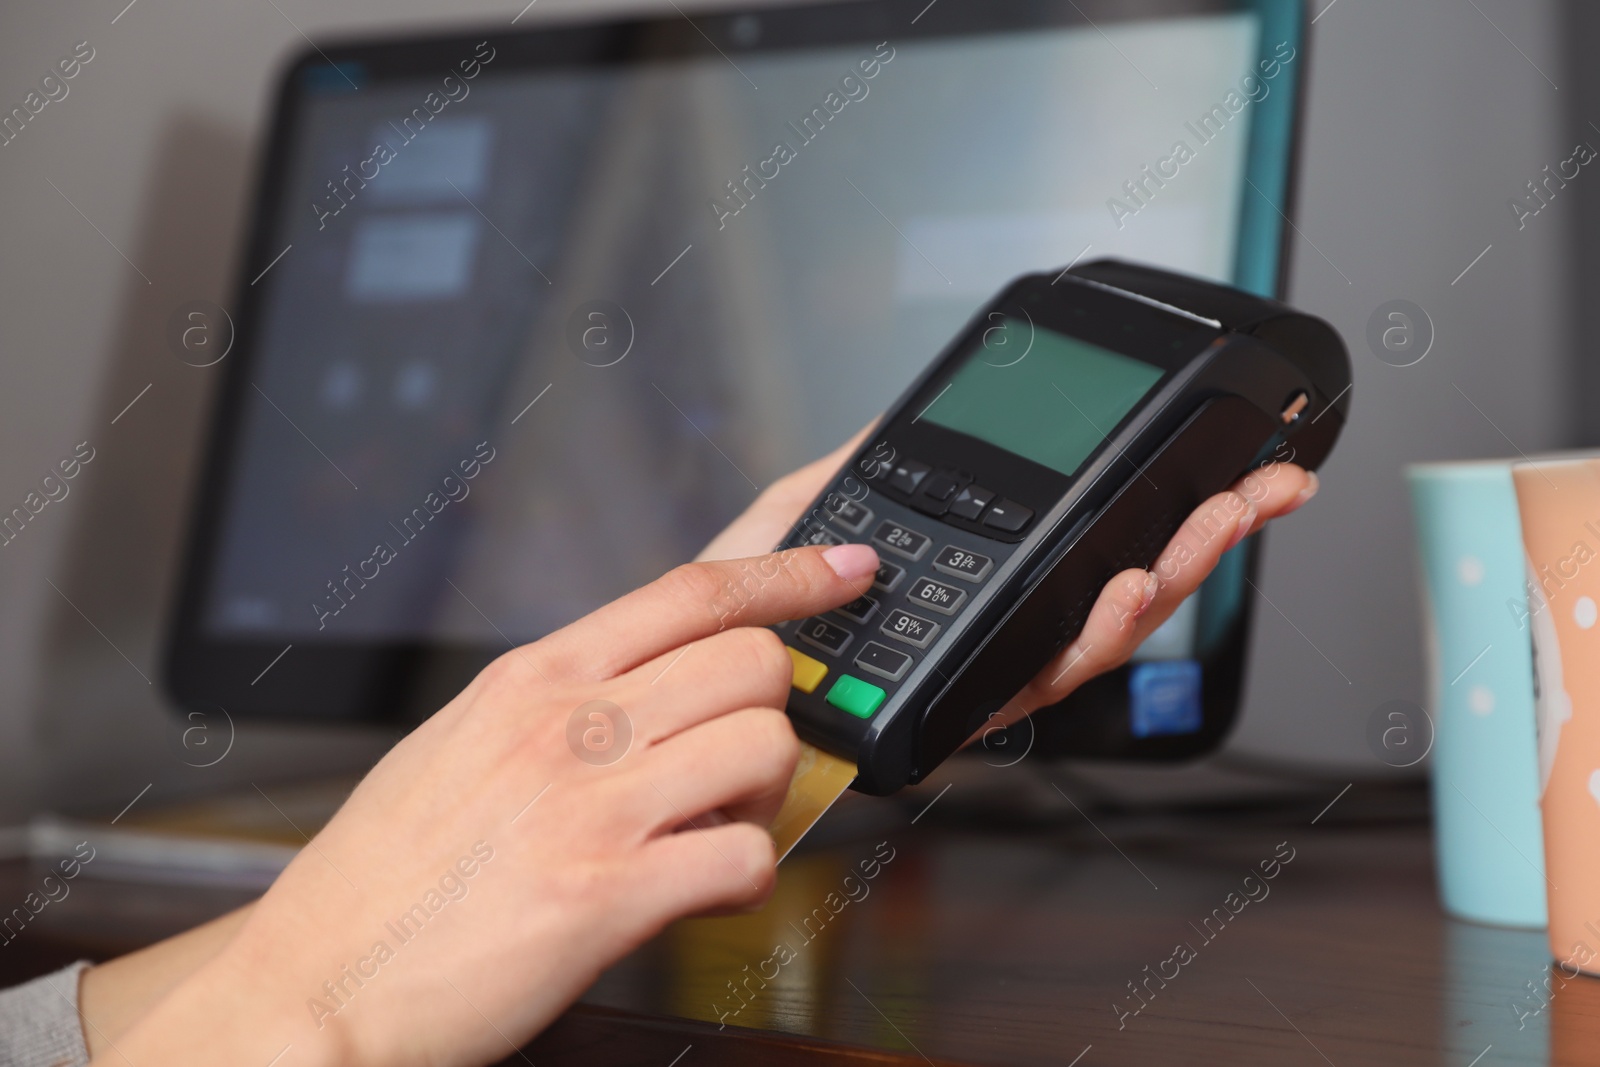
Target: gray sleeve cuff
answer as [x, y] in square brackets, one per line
[39, 1024]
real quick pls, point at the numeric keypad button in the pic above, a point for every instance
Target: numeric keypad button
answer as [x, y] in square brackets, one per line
[819, 536]
[913, 630]
[888, 577]
[936, 596]
[883, 661]
[847, 513]
[901, 540]
[959, 563]
[860, 609]
[828, 636]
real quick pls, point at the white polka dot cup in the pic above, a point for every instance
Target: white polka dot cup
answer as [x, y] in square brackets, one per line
[1559, 502]
[1480, 693]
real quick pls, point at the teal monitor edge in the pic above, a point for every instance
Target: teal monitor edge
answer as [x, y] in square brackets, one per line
[1260, 256]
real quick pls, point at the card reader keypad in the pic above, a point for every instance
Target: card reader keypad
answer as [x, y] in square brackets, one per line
[929, 574]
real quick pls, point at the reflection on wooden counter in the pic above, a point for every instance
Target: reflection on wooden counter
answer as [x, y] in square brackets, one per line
[993, 945]
[770, 947]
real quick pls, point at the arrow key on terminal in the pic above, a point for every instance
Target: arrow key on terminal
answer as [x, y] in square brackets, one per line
[908, 475]
[971, 502]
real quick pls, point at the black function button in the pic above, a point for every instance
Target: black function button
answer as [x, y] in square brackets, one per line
[860, 609]
[847, 513]
[898, 539]
[936, 596]
[819, 536]
[883, 661]
[937, 492]
[1008, 516]
[888, 577]
[960, 563]
[971, 502]
[907, 475]
[941, 486]
[829, 637]
[914, 631]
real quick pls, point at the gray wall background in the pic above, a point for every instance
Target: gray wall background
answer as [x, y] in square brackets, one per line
[1424, 117]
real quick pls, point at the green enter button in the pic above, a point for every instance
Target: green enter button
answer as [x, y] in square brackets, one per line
[859, 698]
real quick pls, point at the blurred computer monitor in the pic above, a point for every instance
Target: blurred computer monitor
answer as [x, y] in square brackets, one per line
[527, 317]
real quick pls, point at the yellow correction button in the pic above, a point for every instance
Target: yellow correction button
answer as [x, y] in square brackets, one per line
[808, 672]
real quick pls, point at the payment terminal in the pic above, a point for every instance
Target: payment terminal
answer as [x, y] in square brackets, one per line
[1063, 436]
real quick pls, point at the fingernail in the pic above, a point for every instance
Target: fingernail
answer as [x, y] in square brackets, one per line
[1313, 483]
[852, 562]
[1147, 595]
[1241, 531]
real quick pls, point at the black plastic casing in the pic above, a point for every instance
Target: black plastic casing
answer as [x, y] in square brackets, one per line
[1217, 411]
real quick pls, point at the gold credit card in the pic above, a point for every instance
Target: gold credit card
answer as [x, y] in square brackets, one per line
[818, 780]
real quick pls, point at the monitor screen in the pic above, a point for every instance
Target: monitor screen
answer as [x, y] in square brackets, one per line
[537, 333]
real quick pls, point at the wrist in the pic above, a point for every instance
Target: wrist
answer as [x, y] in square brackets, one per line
[244, 1006]
[115, 995]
